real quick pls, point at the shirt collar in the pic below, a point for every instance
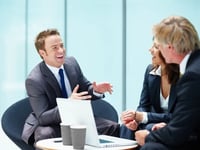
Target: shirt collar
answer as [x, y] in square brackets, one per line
[183, 63]
[156, 71]
[54, 69]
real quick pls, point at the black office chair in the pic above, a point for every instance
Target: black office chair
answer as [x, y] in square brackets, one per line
[102, 108]
[13, 120]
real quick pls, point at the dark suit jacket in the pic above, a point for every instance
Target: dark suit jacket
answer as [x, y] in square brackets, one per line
[184, 126]
[43, 89]
[150, 99]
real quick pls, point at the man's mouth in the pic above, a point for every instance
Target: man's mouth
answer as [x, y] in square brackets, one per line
[59, 57]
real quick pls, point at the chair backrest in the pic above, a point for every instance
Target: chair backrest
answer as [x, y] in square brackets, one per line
[102, 108]
[13, 120]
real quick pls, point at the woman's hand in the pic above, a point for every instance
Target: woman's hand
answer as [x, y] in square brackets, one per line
[127, 116]
[158, 126]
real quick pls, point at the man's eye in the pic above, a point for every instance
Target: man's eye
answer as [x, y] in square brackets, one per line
[156, 46]
[55, 48]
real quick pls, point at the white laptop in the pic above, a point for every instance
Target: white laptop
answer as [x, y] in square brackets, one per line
[80, 112]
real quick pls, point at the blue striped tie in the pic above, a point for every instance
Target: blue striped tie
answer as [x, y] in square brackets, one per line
[62, 81]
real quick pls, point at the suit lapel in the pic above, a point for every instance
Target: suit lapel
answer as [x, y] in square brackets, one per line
[71, 75]
[172, 98]
[156, 92]
[50, 78]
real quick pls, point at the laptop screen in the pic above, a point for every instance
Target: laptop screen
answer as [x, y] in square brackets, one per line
[105, 141]
[79, 112]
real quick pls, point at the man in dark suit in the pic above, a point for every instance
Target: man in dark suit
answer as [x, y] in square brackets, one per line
[43, 87]
[179, 43]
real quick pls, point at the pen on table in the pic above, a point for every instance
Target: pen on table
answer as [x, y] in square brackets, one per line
[58, 141]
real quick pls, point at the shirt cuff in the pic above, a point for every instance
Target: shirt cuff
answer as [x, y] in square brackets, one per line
[98, 94]
[145, 118]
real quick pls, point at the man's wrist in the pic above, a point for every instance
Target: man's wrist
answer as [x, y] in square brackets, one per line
[97, 94]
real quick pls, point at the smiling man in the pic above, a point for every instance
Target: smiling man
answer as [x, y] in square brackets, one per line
[58, 76]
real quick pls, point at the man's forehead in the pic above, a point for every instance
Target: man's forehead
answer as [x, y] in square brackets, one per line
[53, 40]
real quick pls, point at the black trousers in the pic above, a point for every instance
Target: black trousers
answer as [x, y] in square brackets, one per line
[107, 127]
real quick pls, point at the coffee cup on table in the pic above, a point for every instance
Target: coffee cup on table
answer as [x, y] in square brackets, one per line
[66, 134]
[78, 136]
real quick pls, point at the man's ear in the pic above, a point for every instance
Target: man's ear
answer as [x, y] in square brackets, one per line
[42, 52]
[171, 47]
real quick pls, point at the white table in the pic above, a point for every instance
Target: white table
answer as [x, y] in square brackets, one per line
[56, 144]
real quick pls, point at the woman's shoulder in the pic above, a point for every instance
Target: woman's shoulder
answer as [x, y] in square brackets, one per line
[149, 68]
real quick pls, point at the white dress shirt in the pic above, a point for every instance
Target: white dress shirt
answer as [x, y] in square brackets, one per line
[55, 71]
